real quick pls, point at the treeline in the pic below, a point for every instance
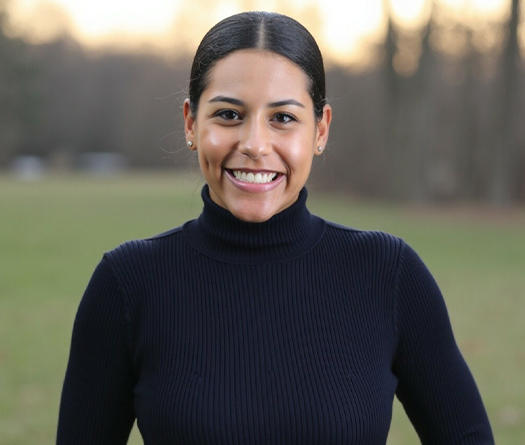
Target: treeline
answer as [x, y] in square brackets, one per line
[438, 117]
[82, 102]
[450, 129]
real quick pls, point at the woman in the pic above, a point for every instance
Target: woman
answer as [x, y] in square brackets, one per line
[259, 323]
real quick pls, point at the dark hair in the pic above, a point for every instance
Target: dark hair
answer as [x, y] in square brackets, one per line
[266, 31]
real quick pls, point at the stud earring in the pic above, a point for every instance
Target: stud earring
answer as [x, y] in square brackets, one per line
[319, 149]
[189, 144]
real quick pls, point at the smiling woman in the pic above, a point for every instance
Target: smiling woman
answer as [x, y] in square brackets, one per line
[256, 133]
[257, 109]
[258, 322]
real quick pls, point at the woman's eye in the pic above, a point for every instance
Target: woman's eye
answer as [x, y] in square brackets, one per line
[229, 115]
[284, 118]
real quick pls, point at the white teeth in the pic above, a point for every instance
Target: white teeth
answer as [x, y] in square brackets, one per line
[257, 178]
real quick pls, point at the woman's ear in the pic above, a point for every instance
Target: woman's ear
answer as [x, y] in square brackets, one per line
[189, 125]
[323, 129]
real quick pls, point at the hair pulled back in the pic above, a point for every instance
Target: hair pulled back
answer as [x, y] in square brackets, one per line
[265, 31]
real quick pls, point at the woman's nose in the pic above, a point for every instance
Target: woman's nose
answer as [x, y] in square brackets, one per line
[255, 140]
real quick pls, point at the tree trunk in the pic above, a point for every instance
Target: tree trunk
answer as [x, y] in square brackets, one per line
[503, 190]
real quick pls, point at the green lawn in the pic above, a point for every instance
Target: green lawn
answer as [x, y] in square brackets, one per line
[53, 234]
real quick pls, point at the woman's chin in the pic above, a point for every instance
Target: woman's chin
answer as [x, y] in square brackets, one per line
[252, 214]
[253, 206]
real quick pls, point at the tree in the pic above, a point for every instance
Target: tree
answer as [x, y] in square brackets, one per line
[17, 99]
[503, 190]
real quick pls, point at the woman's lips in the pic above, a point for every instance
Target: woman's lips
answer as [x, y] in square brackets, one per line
[253, 180]
[254, 177]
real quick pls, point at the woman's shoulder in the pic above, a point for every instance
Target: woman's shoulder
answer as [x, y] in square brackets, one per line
[373, 239]
[145, 249]
[373, 250]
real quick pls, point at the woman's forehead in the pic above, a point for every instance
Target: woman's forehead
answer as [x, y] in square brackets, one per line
[257, 73]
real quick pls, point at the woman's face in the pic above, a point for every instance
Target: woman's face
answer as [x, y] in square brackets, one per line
[255, 133]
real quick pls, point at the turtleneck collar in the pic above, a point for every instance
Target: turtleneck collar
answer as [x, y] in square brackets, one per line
[220, 235]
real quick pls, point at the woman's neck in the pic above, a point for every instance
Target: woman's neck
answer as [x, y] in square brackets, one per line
[220, 235]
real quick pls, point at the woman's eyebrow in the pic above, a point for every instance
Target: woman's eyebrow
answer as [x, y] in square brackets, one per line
[285, 102]
[230, 100]
[239, 102]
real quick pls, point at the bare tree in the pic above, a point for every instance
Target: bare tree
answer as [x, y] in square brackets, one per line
[503, 190]
[17, 97]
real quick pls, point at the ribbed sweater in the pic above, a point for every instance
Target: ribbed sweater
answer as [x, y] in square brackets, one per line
[292, 331]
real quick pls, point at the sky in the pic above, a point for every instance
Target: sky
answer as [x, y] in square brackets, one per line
[340, 26]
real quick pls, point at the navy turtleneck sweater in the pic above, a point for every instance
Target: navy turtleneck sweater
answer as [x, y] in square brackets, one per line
[293, 331]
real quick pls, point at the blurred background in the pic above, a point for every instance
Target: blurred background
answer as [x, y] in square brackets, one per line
[428, 95]
[427, 142]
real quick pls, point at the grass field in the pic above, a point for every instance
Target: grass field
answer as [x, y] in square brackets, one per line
[53, 233]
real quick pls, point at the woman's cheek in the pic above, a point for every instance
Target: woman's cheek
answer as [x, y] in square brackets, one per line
[218, 140]
[299, 153]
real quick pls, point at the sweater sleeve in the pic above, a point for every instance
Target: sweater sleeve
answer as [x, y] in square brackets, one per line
[435, 385]
[97, 397]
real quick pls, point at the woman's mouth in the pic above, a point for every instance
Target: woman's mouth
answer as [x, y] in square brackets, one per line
[254, 178]
[255, 181]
